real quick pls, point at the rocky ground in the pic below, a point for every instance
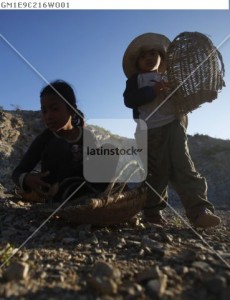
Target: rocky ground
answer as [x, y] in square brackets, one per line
[127, 261]
[52, 259]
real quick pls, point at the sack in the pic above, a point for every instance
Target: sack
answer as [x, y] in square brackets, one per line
[195, 71]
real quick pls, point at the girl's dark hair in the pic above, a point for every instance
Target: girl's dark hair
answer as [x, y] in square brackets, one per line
[64, 90]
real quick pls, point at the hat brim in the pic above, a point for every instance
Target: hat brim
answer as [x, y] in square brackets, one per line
[145, 41]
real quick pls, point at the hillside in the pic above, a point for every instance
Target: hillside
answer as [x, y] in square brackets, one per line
[211, 156]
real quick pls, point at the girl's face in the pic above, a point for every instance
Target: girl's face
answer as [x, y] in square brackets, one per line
[149, 61]
[56, 114]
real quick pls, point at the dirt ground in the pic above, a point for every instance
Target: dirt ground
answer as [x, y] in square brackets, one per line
[133, 260]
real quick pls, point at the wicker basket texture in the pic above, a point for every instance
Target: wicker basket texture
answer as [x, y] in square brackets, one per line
[195, 71]
[115, 209]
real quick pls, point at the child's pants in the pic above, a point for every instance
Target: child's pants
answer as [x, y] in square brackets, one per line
[169, 160]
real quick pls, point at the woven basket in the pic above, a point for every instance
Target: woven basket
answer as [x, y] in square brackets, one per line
[116, 209]
[195, 71]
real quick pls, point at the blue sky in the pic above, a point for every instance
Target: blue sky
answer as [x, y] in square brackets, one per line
[85, 48]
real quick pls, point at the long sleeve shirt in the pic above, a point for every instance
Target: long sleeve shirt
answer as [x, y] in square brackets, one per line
[141, 97]
[60, 157]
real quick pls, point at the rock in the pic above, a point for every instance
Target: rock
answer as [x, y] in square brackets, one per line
[16, 271]
[158, 233]
[202, 266]
[148, 273]
[152, 244]
[216, 284]
[188, 256]
[181, 270]
[105, 278]
[25, 257]
[102, 285]
[132, 243]
[103, 269]
[157, 287]
[132, 289]
[93, 240]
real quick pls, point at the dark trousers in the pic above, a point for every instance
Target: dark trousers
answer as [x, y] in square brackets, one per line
[169, 161]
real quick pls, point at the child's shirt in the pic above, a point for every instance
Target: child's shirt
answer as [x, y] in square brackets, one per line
[72, 163]
[140, 96]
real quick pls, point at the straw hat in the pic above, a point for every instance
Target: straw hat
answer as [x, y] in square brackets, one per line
[143, 42]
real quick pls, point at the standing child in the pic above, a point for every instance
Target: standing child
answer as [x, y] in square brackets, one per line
[59, 148]
[168, 154]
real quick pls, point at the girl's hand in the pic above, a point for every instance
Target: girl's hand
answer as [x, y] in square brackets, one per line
[34, 181]
[161, 87]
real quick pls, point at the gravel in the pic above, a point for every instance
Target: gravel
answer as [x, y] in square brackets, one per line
[134, 260]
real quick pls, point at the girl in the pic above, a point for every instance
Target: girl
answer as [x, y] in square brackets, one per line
[59, 148]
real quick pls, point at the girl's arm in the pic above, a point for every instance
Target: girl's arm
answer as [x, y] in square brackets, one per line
[134, 96]
[29, 160]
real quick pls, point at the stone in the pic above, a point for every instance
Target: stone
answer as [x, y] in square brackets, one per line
[157, 287]
[216, 284]
[150, 243]
[148, 273]
[103, 269]
[16, 271]
[202, 265]
[102, 285]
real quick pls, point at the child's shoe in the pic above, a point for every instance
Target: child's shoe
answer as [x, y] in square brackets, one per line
[206, 219]
[156, 218]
